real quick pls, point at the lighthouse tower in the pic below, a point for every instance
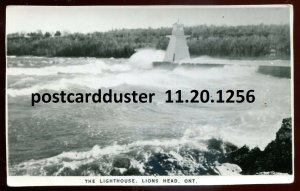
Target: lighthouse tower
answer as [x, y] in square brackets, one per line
[177, 48]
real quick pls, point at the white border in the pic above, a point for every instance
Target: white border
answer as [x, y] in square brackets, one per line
[292, 81]
[199, 180]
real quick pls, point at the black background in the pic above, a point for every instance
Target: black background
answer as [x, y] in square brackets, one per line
[273, 187]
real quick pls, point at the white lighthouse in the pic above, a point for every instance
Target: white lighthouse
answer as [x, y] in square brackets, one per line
[177, 48]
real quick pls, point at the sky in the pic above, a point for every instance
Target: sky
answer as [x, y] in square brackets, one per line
[86, 19]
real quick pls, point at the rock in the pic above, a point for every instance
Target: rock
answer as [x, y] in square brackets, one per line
[222, 158]
[173, 163]
[215, 144]
[176, 156]
[154, 165]
[229, 147]
[245, 158]
[121, 162]
[285, 132]
[52, 169]
[83, 170]
[277, 156]
[132, 172]
[227, 169]
[117, 171]
[90, 170]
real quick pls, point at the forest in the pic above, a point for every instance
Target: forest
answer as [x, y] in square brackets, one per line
[252, 41]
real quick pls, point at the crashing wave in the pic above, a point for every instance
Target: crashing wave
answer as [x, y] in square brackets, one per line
[153, 157]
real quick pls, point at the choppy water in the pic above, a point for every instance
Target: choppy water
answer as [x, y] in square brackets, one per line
[48, 138]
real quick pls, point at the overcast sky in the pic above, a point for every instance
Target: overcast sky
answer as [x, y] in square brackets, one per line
[89, 19]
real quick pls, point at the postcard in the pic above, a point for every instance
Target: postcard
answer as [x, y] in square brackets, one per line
[149, 95]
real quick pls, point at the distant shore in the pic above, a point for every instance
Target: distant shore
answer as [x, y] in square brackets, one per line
[238, 42]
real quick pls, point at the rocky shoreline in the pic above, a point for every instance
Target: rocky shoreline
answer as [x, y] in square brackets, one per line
[276, 157]
[221, 158]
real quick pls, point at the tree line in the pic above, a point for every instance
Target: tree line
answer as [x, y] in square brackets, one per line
[221, 41]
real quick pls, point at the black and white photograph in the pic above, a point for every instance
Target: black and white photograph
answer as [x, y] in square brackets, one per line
[149, 95]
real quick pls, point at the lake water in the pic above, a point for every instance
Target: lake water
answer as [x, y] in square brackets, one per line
[59, 135]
